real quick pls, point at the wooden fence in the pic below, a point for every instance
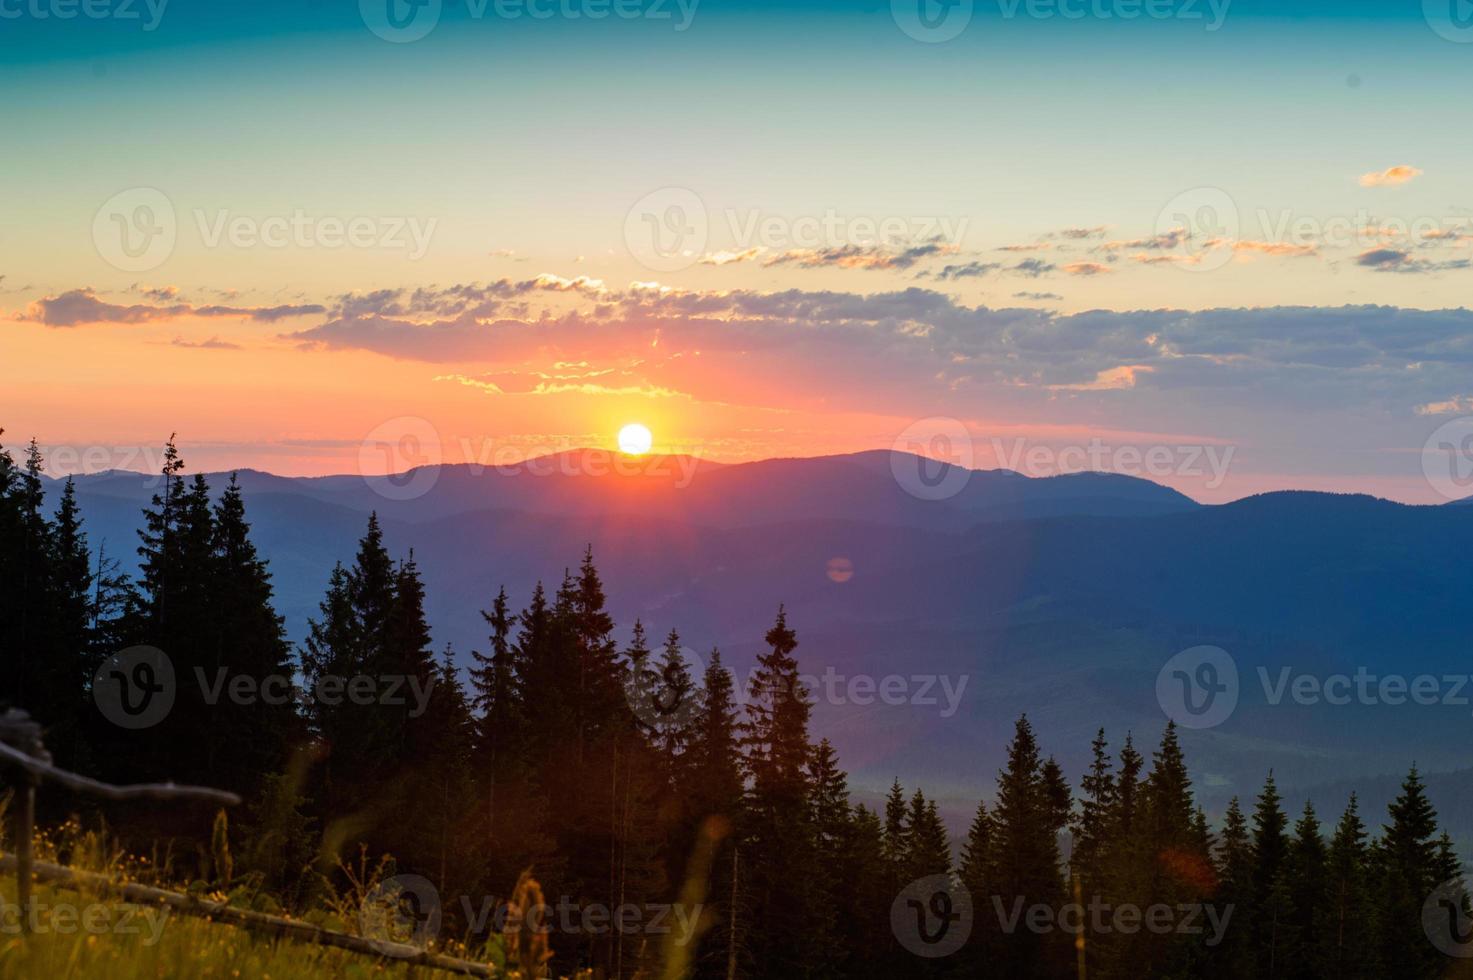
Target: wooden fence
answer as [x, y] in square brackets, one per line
[24, 758]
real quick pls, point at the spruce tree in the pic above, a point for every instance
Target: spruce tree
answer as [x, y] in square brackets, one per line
[1408, 867]
[1346, 947]
[1273, 916]
[775, 737]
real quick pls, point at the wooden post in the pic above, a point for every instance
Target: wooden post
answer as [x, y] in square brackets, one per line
[25, 831]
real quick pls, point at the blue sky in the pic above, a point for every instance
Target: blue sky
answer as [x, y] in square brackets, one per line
[1271, 157]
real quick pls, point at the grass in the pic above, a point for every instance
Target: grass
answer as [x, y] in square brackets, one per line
[122, 944]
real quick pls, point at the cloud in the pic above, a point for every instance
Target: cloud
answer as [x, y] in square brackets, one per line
[214, 343]
[1086, 269]
[1174, 238]
[968, 270]
[861, 256]
[1284, 249]
[1398, 260]
[1033, 268]
[1114, 379]
[77, 307]
[1026, 247]
[1037, 297]
[1080, 234]
[728, 258]
[1457, 405]
[1391, 176]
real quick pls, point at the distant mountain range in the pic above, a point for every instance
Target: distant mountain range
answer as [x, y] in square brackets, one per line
[1061, 596]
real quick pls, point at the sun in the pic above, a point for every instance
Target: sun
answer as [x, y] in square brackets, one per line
[635, 439]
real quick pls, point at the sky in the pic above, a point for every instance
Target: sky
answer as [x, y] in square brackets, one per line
[1045, 234]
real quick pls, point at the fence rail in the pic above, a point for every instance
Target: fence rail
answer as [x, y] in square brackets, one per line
[23, 755]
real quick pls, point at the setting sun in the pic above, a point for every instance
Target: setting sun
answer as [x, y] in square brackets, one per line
[635, 439]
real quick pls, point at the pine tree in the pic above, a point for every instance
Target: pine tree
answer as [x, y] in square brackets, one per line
[1408, 865]
[775, 737]
[1027, 857]
[830, 818]
[248, 739]
[1235, 955]
[1273, 916]
[498, 703]
[675, 704]
[1091, 826]
[896, 842]
[716, 794]
[1305, 875]
[1347, 949]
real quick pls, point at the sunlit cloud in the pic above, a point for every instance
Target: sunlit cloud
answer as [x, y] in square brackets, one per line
[1391, 176]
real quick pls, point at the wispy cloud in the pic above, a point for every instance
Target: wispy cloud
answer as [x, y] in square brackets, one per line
[78, 307]
[1391, 176]
[1399, 260]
